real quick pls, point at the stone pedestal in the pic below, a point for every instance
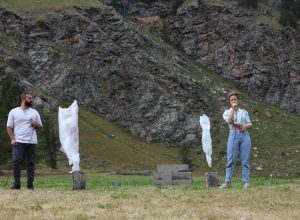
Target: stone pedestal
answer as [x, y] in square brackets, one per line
[172, 174]
[212, 179]
[78, 180]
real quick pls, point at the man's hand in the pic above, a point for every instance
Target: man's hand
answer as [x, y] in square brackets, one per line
[35, 125]
[32, 122]
[13, 142]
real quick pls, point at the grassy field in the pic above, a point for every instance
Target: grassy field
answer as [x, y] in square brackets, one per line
[104, 145]
[138, 199]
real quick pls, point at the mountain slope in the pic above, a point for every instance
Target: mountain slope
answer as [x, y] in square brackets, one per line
[126, 75]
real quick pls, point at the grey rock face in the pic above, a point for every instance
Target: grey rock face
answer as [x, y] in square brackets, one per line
[142, 8]
[109, 65]
[259, 58]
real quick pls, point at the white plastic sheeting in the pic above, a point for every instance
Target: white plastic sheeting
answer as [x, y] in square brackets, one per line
[68, 134]
[206, 138]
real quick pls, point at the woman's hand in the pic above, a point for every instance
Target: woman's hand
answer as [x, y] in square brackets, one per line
[234, 106]
[242, 127]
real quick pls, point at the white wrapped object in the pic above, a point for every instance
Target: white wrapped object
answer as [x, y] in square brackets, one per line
[68, 134]
[206, 138]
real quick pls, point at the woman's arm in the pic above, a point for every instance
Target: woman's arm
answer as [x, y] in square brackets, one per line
[245, 127]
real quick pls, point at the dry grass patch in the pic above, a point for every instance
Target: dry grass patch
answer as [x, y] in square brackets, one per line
[277, 201]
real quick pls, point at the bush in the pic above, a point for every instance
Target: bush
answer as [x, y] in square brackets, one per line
[186, 156]
[165, 34]
[248, 3]
[51, 141]
[9, 93]
[175, 5]
[288, 18]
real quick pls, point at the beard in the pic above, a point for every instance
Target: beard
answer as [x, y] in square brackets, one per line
[28, 104]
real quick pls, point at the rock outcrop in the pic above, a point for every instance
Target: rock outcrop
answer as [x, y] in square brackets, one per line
[231, 40]
[108, 64]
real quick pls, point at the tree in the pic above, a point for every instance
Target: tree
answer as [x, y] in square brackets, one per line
[51, 141]
[288, 18]
[289, 13]
[9, 92]
[186, 156]
[297, 9]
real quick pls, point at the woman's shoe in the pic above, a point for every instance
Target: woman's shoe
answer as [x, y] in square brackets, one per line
[224, 185]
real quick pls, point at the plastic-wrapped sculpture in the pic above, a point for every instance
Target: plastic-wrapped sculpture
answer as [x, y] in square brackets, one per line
[69, 134]
[206, 138]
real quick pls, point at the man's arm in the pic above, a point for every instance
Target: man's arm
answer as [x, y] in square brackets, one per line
[10, 133]
[35, 125]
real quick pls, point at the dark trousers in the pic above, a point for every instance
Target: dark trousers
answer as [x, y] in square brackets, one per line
[18, 152]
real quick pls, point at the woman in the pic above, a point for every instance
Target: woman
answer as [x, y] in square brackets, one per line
[239, 140]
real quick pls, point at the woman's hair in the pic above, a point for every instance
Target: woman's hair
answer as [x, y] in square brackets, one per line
[233, 93]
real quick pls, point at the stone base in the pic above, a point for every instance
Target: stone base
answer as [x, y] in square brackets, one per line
[78, 180]
[212, 179]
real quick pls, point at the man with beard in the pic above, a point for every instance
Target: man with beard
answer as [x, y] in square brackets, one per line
[22, 124]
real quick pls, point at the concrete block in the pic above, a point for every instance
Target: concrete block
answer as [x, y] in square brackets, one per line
[162, 182]
[182, 176]
[165, 168]
[180, 167]
[182, 182]
[162, 175]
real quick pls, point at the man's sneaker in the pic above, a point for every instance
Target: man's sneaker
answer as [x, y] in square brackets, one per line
[246, 185]
[224, 185]
[15, 187]
[30, 187]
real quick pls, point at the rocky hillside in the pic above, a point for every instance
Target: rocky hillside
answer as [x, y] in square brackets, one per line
[112, 64]
[109, 64]
[253, 54]
[246, 46]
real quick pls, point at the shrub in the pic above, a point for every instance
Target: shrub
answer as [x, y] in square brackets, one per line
[288, 18]
[175, 5]
[248, 3]
[165, 33]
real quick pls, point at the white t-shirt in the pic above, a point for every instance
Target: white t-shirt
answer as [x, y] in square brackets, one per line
[19, 121]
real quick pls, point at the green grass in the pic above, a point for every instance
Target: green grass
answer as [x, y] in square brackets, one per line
[22, 6]
[104, 181]
[105, 145]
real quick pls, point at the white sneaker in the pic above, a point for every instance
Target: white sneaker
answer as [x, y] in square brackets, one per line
[224, 185]
[246, 185]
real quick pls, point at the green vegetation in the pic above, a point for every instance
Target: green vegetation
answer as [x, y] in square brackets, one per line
[50, 141]
[290, 13]
[103, 181]
[272, 134]
[186, 156]
[165, 33]
[105, 146]
[21, 6]
[9, 93]
[248, 3]
[175, 5]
